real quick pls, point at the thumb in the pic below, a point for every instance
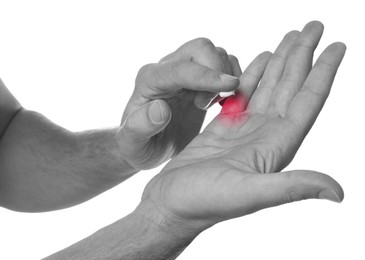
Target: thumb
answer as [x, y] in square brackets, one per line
[284, 187]
[140, 126]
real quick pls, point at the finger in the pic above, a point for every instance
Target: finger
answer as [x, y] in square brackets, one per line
[261, 98]
[269, 190]
[251, 77]
[249, 80]
[225, 61]
[140, 125]
[202, 51]
[309, 101]
[162, 79]
[298, 65]
[204, 99]
[285, 187]
[207, 99]
[235, 65]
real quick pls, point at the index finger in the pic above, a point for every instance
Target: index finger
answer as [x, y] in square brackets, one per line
[165, 78]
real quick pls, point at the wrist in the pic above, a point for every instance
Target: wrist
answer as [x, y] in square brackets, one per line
[143, 234]
[162, 235]
[165, 222]
[99, 147]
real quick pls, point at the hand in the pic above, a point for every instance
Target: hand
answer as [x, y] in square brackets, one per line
[233, 167]
[166, 110]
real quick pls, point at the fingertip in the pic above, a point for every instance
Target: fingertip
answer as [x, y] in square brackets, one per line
[311, 34]
[328, 187]
[266, 53]
[340, 45]
[316, 23]
[233, 58]
[303, 184]
[229, 81]
[341, 194]
[335, 187]
[257, 66]
[222, 51]
[330, 195]
[265, 56]
[262, 58]
[334, 53]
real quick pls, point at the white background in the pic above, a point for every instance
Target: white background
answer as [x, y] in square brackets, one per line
[76, 61]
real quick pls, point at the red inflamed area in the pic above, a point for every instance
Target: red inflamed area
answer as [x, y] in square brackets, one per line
[232, 108]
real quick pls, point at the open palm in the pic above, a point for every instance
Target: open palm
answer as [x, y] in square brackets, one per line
[233, 167]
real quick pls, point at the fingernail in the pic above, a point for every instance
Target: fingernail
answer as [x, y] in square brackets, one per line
[329, 195]
[156, 112]
[208, 102]
[227, 78]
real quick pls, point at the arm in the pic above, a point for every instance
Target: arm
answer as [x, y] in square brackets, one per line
[233, 167]
[144, 234]
[45, 167]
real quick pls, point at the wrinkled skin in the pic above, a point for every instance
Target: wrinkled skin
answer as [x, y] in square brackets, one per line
[231, 170]
[184, 82]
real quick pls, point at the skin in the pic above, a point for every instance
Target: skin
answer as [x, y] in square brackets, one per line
[233, 170]
[175, 91]
[46, 167]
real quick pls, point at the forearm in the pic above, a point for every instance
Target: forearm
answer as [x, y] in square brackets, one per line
[45, 167]
[144, 234]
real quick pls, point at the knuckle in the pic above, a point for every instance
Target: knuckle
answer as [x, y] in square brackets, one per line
[145, 70]
[202, 46]
[222, 51]
[292, 196]
[302, 48]
[233, 58]
[173, 69]
[326, 66]
[144, 74]
[289, 78]
[205, 72]
[315, 93]
[278, 57]
[196, 45]
[203, 42]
